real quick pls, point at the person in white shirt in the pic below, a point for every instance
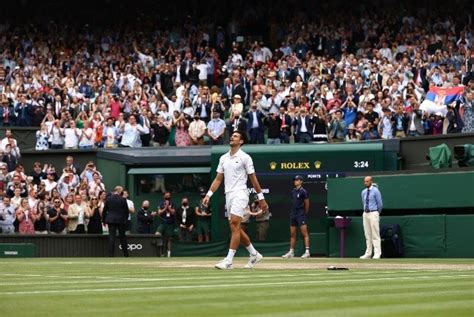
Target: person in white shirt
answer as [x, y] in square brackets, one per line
[67, 182]
[71, 136]
[385, 125]
[86, 140]
[203, 66]
[56, 135]
[131, 133]
[8, 139]
[174, 104]
[234, 168]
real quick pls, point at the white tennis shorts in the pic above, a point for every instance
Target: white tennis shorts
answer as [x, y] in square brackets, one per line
[237, 203]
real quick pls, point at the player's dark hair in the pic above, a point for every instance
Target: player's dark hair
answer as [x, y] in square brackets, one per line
[243, 136]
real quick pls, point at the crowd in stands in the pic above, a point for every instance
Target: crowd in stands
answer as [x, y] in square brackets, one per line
[71, 199]
[50, 199]
[188, 81]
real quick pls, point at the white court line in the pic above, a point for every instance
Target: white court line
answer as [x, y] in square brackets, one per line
[155, 288]
[176, 279]
[119, 279]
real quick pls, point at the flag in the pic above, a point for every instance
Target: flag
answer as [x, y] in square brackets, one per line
[438, 97]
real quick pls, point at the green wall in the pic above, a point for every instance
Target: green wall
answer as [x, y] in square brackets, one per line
[413, 191]
[437, 236]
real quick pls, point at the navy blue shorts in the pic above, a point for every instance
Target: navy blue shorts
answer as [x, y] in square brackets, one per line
[297, 219]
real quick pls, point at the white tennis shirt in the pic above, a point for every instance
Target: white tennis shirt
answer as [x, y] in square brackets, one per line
[236, 169]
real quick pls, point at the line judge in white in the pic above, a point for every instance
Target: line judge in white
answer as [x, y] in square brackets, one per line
[235, 167]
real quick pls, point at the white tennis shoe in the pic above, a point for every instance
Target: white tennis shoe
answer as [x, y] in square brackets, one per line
[224, 265]
[253, 260]
[306, 255]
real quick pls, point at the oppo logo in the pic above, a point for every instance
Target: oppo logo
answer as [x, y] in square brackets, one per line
[132, 247]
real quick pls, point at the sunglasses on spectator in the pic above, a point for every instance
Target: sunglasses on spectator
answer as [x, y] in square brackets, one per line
[57, 201]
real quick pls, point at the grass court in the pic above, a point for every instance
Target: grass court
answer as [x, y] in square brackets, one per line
[276, 287]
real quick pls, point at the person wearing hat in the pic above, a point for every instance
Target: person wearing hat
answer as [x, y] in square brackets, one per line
[352, 135]
[237, 104]
[299, 210]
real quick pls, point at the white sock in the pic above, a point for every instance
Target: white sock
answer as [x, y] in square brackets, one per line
[251, 249]
[230, 255]
[307, 250]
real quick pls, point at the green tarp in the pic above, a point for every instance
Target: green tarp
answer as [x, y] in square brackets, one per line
[440, 156]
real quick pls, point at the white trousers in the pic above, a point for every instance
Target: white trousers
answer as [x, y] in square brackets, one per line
[371, 222]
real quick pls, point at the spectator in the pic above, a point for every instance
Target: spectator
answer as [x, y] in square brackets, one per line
[337, 127]
[273, 123]
[87, 137]
[41, 214]
[131, 132]
[24, 113]
[236, 123]
[71, 166]
[203, 214]
[185, 220]
[145, 123]
[145, 218]
[320, 126]
[49, 183]
[56, 135]
[9, 158]
[95, 217]
[352, 135]
[399, 122]
[196, 130]
[57, 217]
[166, 212]
[414, 124]
[370, 132]
[42, 137]
[25, 217]
[7, 216]
[216, 129]
[160, 132]
[8, 139]
[7, 113]
[385, 125]
[96, 186]
[262, 219]
[131, 210]
[437, 124]
[71, 135]
[303, 127]
[110, 134]
[182, 134]
[255, 126]
[468, 112]
[67, 183]
[77, 214]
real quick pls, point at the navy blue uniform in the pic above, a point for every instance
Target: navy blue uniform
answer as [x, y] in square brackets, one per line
[297, 214]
